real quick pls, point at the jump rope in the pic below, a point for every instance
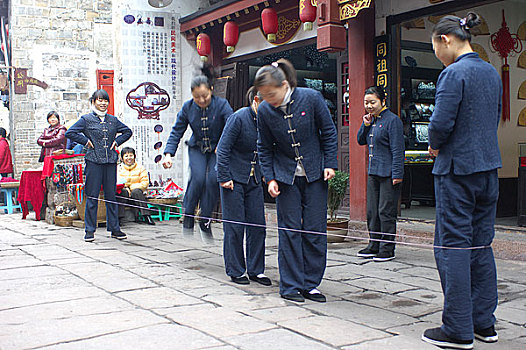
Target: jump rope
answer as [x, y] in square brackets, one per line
[421, 245]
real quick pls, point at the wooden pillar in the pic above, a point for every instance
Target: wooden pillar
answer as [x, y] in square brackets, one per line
[361, 33]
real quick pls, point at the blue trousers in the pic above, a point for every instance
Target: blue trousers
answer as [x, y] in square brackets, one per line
[97, 175]
[244, 204]
[465, 217]
[302, 257]
[202, 186]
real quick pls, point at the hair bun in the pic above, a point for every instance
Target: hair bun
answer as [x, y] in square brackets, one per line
[472, 20]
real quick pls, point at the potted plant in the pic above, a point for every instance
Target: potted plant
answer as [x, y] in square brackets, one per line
[337, 227]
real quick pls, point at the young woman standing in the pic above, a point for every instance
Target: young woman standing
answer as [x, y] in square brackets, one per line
[463, 137]
[206, 114]
[382, 131]
[239, 175]
[98, 131]
[297, 148]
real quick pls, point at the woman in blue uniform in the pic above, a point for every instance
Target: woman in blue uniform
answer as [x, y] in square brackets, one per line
[239, 175]
[382, 131]
[206, 114]
[297, 147]
[463, 137]
[98, 131]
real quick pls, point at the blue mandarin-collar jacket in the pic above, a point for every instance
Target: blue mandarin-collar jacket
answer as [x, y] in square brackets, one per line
[216, 113]
[306, 133]
[237, 148]
[385, 139]
[102, 134]
[464, 124]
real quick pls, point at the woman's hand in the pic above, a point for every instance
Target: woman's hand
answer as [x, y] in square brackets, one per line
[273, 188]
[167, 161]
[228, 184]
[397, 181]
[328, 173]
[433, 152]
[367, 119]
[89, 144]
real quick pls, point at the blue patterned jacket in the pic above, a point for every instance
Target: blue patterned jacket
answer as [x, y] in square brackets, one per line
[306, 133]
[464, 124]
[237, 150]
[101, 134]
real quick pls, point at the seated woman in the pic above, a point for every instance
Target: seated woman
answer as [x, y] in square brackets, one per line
[53, 138]
[136, 181]
[6, 161]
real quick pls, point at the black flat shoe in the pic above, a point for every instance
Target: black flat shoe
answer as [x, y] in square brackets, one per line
[119, 235]
[297, 297]
[240, 280]
[188, 222]
[148, 219]
[89, 236]
[316, 296]
[261, 279]
[205, 226]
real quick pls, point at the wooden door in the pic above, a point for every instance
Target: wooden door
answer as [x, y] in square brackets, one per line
[233, 84]
[105, 82]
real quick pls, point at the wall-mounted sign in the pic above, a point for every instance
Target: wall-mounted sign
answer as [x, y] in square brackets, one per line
[22, 81]
[148, 99]
[382, 63]
[350, 8]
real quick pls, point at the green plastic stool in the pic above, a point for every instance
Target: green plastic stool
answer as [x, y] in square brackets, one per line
[172, 212]
[159, 214]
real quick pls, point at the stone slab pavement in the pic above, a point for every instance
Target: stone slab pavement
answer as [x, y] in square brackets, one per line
[163, 290]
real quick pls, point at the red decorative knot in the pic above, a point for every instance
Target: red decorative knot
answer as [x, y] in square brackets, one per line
[504, 42]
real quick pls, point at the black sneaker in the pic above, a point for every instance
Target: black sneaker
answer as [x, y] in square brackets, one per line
[261, 279]
[240, 280]
[437, 337]
[314, 295]
[487, 335]
[89, 236]
[119, 235]
[297, 297]
[367, 253]
[384, 256]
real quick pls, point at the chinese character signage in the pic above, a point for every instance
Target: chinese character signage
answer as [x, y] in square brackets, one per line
[22, 81]
[381, 69]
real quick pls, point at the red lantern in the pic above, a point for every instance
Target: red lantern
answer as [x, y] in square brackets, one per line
[269, 21]
[203, 46]
[230, 35]
[307, 14]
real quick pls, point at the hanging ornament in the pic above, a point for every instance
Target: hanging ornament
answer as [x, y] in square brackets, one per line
[505, 43]
[269, 21]
[230, 35]
[203, 46]
[307, 14]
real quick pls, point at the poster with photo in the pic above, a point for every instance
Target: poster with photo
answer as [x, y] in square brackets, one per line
[150, 52]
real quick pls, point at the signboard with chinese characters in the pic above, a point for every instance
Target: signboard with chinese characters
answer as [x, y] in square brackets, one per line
[22, 81]
[381, 69]
[151, 83]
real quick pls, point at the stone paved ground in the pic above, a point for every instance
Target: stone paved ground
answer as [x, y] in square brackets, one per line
[161, 290]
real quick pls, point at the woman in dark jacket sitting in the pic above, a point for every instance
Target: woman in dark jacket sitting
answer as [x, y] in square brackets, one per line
[53, 138]
[98, 131]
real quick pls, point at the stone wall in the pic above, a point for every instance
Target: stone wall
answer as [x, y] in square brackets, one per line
[62, 43]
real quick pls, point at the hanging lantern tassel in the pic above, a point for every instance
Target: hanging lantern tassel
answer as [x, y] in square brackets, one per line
[269, 21]
[506, 92]
[203, 46]
[307, 14]
[230, 35]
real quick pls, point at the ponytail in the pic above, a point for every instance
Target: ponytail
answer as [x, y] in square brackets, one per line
[460, 27]
[274, 74]
[207, 78]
